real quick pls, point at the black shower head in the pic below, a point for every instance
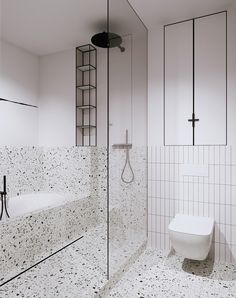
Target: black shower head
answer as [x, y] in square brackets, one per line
[107, 40]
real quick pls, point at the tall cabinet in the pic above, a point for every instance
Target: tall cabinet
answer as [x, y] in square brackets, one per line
[86, 95]
[195, 81]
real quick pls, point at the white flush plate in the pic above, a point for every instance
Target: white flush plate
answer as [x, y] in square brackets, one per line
[194, 170]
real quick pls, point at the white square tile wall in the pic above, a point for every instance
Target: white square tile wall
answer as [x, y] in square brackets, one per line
[213, 195]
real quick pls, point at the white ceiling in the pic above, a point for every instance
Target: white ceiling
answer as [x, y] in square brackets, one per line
[154, 12]
[47, 26]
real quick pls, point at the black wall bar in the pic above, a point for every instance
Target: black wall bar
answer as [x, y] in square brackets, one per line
[18, 103]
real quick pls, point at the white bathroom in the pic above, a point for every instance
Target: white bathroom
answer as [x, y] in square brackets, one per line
[117, 148]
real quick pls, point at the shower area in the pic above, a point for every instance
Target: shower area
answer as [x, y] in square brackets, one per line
[73, 146]
[127, 137]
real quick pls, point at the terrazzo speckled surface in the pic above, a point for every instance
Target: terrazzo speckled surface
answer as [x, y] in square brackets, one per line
[27, 240]
[70, 170]
[155, 274]
[74, 172]
[130, 198]
[128, 202]
[77, 271]
[23, 167]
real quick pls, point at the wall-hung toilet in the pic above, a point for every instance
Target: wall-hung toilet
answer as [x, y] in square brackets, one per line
[191, 236]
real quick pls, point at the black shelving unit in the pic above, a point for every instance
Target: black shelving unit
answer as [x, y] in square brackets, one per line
[86, 95]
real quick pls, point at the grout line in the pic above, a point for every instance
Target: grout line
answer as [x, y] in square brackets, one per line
[160, 196]
[202, 202]
[188, 183]
[203, 183]
[169, 177]
[225, 196]
[155, 193]
[151, 207]
[174, 208]
[210, 164]
[231, 201]
[218, 223]
[164, 193]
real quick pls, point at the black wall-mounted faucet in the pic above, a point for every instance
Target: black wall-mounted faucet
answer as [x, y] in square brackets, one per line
[3, 195]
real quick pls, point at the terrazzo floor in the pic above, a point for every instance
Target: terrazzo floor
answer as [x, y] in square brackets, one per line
[77, 271]
[156, 274]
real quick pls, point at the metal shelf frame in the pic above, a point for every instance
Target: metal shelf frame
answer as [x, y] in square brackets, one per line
[86, 95]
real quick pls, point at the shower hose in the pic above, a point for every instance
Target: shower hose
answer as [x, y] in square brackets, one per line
[127, 164]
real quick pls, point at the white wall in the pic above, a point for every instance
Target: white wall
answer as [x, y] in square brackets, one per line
[18, 125]
[19, 75]
[120, 95]
[128, 91]
[57, 99]
[169, 192]
[155, 86]
[49, 82]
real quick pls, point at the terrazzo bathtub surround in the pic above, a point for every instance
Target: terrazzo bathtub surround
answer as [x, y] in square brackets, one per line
[69, 170]
[78, 171]
[23, 167]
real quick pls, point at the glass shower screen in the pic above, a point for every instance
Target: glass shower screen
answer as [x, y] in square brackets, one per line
[127, 135]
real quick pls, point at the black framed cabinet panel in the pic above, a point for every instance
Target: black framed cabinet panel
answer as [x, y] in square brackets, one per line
[178, 83]
[195, 81]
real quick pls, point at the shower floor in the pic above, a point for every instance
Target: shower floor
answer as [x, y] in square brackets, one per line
[80, 271]
[155, 274]
[76, 271]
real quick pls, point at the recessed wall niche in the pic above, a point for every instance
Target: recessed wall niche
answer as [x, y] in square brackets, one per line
[195, 81]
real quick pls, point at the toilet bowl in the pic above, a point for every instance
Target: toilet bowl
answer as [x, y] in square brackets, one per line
[191, 236]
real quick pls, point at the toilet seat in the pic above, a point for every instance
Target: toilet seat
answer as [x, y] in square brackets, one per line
[193, 225]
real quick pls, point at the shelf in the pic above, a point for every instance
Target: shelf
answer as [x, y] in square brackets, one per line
[86, 48]
[86, 87]
[86, 67]
[86, 126]
[84, 107]
[86, 95]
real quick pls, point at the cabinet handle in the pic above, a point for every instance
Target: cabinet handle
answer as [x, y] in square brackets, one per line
[193, 120]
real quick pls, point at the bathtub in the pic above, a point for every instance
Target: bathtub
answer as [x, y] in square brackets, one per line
[34, 202]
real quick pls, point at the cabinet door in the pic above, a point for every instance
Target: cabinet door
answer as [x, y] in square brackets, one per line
[178, 83]
[210, 79]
